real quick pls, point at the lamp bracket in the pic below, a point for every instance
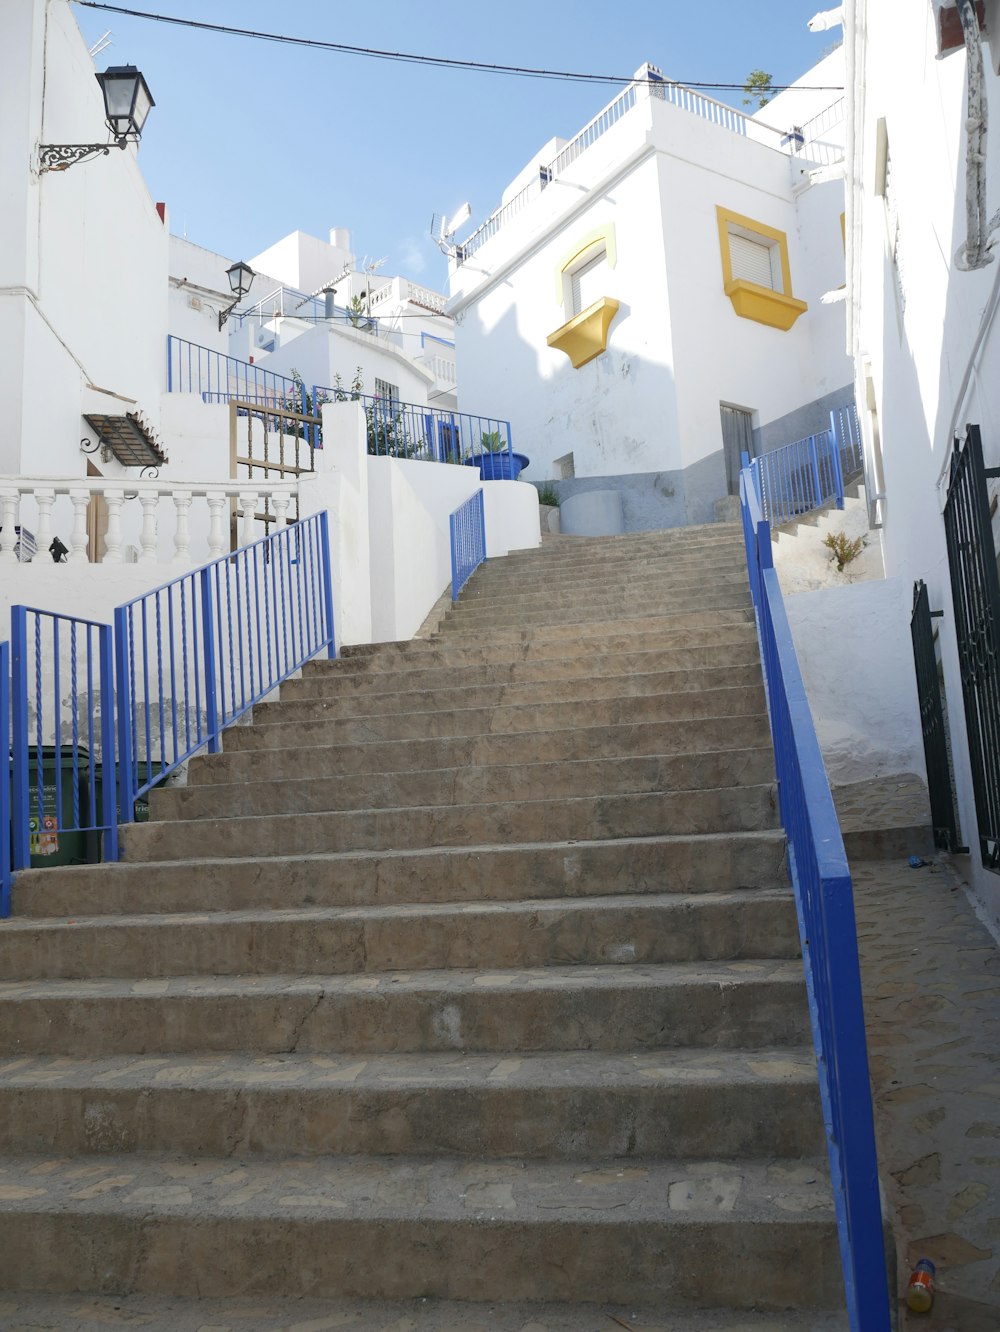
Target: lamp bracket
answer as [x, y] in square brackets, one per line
[60, 156]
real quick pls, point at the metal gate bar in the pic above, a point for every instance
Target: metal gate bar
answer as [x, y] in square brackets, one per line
[932, 724]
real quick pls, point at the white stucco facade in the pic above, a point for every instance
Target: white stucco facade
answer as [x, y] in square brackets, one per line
[923, 332]
[649, 404]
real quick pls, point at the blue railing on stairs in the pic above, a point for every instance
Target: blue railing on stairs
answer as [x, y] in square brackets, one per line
[182, 662]
[195, 654]
[824, 902]
[468, 541]
[63, 742]
[809, 473]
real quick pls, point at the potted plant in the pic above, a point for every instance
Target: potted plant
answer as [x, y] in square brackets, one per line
[495, 460]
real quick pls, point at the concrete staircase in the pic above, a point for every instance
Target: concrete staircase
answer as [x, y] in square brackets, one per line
[468, 972]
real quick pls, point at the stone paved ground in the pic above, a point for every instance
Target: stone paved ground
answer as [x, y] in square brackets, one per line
[931, 974]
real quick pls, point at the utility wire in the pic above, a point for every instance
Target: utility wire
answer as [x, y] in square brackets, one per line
[437, 62]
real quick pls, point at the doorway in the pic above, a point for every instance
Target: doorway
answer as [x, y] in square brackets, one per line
[737, 439]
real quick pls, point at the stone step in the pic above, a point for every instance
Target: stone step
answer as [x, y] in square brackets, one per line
[96, 1313]
[489, 715]
[685, 667]
[452, 652]
[296, 752]
[448, 695]
[647, 579]
[622, 1008]
[717, 1104]
[644, 814]
[744, 1234]
[644, 928]
[585, 868]
[591, 609]
[462, 785]
[675, 624]
[280, 726]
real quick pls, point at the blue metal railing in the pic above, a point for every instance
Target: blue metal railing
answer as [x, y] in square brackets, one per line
[430, 434]
[6, 850]
[194, 655]
[810, 473]
[61, 663]
[468, 541]
[824, 902]
[220, 378]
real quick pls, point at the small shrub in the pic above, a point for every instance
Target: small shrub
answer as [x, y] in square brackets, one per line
[844, 548]
[491, 442]
[547, 495]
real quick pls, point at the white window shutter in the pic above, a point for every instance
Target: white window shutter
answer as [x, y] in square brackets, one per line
[589, 283]
[751, 260]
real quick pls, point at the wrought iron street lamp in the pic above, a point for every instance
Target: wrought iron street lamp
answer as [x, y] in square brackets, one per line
[240, 277]
[127, 103]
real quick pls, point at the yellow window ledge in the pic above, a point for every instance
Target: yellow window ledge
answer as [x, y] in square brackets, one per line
[586, 335]
[765, 306]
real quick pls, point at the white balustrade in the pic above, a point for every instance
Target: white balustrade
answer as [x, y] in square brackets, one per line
[190, 517]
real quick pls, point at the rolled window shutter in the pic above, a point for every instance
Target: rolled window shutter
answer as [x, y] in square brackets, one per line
[751, 261]
[588, 283]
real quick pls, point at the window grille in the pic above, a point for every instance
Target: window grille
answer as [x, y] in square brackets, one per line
[383, 389]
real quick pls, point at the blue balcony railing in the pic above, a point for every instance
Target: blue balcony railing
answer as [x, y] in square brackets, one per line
[395, 429]
[468, 540]
[6, 850]
[810, 473]
[824, 901]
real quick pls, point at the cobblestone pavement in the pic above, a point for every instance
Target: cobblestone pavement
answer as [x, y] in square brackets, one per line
[931, 976]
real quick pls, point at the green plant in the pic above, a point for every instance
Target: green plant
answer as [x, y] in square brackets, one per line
[758, 88]
[547, 494]
[845, 548]
[491, 441]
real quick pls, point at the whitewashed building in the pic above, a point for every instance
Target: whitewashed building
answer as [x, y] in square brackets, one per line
[652, 287]
[923, 226]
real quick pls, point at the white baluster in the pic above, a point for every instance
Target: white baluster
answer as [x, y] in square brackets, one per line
[182, 533]
[8, 521]
[80, 500]
[216, 524]
[281, 500]
[248, 503]
[45, 499]
[150, 502]
[114, 499]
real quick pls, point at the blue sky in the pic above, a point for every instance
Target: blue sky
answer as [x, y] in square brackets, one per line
[249, 140]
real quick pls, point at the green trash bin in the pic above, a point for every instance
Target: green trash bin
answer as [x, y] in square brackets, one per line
[140, 807]
[50, 845]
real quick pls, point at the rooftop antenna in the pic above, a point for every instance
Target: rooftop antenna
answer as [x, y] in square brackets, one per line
[443, 232]
[102, 44]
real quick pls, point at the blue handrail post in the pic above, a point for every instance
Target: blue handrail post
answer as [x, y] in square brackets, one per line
[837, 464]
[126, 774]
[316, 430]
[208, 656]
[105, 648]
[817, 481]
[482, 521]
[170, 364]
[5, 848]
[19, 717]
[327, 574]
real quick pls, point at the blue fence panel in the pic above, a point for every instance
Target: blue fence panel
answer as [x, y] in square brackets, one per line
[468, 541]
[6, 850]
[430, 434]
[63, 707]
[825, 906]
[220, 378]
[846, 430]
[192, 656]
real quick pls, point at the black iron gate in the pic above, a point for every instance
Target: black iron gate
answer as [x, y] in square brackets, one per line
[976, 591]
[932, 723]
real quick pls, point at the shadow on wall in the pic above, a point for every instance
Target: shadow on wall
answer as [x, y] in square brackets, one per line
[618, 411]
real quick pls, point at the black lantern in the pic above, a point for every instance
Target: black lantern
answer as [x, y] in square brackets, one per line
[240, 277]
[127, 100]
[127, 103]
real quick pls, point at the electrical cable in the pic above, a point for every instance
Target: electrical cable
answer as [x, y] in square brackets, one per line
[437, 62]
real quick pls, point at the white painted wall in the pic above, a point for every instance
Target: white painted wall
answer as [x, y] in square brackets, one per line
[864, 703]
[676, 348]
[83, 253]
[915, 325]
[319, 352]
